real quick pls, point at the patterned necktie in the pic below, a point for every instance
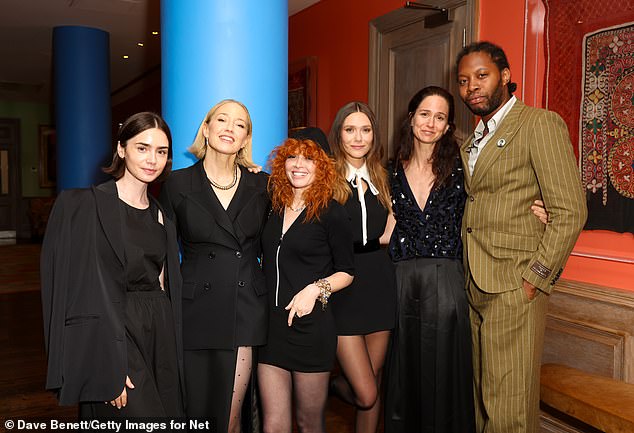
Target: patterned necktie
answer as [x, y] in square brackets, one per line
[474, 149]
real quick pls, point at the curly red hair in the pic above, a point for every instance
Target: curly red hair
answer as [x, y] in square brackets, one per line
[317, 196]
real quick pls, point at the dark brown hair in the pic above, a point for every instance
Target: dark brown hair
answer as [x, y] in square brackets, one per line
[374, 158]
[134, 125]
[446, 149]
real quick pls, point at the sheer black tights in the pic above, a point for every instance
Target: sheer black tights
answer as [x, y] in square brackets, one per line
[280, 388]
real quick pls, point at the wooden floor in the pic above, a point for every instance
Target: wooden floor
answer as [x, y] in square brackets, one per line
[23, 361]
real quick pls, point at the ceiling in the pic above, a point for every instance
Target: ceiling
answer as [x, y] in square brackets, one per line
[26, 28]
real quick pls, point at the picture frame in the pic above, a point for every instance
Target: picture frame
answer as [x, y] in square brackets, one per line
[302, 93]
[48, 156]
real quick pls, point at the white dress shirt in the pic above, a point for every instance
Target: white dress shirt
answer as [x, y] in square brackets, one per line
[480, 140]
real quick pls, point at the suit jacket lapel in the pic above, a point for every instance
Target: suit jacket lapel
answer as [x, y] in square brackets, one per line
[498, 142]
[247, 191]
[203, 196]
[464, 156]
[108, 212]
[170, 281]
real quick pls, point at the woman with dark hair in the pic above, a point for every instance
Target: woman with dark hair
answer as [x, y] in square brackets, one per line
[219, 208]
[366, 310]
[429, 371]
[307, 256]
[111, 288]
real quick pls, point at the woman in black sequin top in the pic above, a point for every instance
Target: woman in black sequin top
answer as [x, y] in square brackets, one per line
[429, 372]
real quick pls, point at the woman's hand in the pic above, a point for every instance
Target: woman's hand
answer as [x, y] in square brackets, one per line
[303, 302]
[539, 210]
[122, 400]
[389, 228]
[255, 169]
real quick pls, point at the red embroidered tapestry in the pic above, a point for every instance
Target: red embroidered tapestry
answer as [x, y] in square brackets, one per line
[590, 83]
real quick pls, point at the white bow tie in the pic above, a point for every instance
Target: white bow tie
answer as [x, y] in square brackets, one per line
[355, 176]
[361, 173]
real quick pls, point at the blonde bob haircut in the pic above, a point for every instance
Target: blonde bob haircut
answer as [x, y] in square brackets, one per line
[199, 148]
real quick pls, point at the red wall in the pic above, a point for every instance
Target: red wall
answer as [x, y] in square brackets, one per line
[497, 17]
[336, 32]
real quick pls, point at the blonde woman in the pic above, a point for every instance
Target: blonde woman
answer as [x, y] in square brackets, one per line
[220, 208]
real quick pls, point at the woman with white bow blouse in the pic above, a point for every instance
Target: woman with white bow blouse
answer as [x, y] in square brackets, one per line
[365, 311]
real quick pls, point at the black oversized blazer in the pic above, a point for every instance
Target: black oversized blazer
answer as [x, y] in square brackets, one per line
[219, 255]
[82, 272]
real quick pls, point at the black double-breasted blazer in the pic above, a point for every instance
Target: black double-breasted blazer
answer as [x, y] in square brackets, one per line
[220, 257]
[83, 282]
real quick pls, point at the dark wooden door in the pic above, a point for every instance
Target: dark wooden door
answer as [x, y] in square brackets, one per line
[409, 50]
[9, 173]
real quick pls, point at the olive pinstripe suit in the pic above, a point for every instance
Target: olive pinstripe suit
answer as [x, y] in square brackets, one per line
[528, 157]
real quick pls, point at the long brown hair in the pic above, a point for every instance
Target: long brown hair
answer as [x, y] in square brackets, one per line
[318, 194]
[446, 149]
[374, 158]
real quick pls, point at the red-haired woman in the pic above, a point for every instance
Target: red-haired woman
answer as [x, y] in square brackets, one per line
[307, 255]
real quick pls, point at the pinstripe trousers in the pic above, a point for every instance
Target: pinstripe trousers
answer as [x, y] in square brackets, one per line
[508, 336]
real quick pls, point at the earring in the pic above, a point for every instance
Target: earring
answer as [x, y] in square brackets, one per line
[206, 141]
[120, 150]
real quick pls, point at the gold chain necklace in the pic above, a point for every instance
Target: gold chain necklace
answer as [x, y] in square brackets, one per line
[226, 187]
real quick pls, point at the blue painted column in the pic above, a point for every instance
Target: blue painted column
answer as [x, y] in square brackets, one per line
[217, 49]
[81, 74]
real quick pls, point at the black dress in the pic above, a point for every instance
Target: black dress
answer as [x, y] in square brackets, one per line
[307, 252]
[224, 292]
[369, 303]
[429, 371]
[149, 325]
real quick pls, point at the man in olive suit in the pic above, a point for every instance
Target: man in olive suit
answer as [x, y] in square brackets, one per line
[517, 154]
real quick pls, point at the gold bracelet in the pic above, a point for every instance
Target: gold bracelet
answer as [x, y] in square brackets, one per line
[325, 291]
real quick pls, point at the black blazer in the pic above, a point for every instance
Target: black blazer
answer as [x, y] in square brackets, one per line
[82, 273]
[220, 254]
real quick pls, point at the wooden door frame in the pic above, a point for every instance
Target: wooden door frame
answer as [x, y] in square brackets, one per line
[15, 178]
[392, 21]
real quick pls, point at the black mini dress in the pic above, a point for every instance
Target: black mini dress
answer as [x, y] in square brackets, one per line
[369, 303]
[307, 252]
